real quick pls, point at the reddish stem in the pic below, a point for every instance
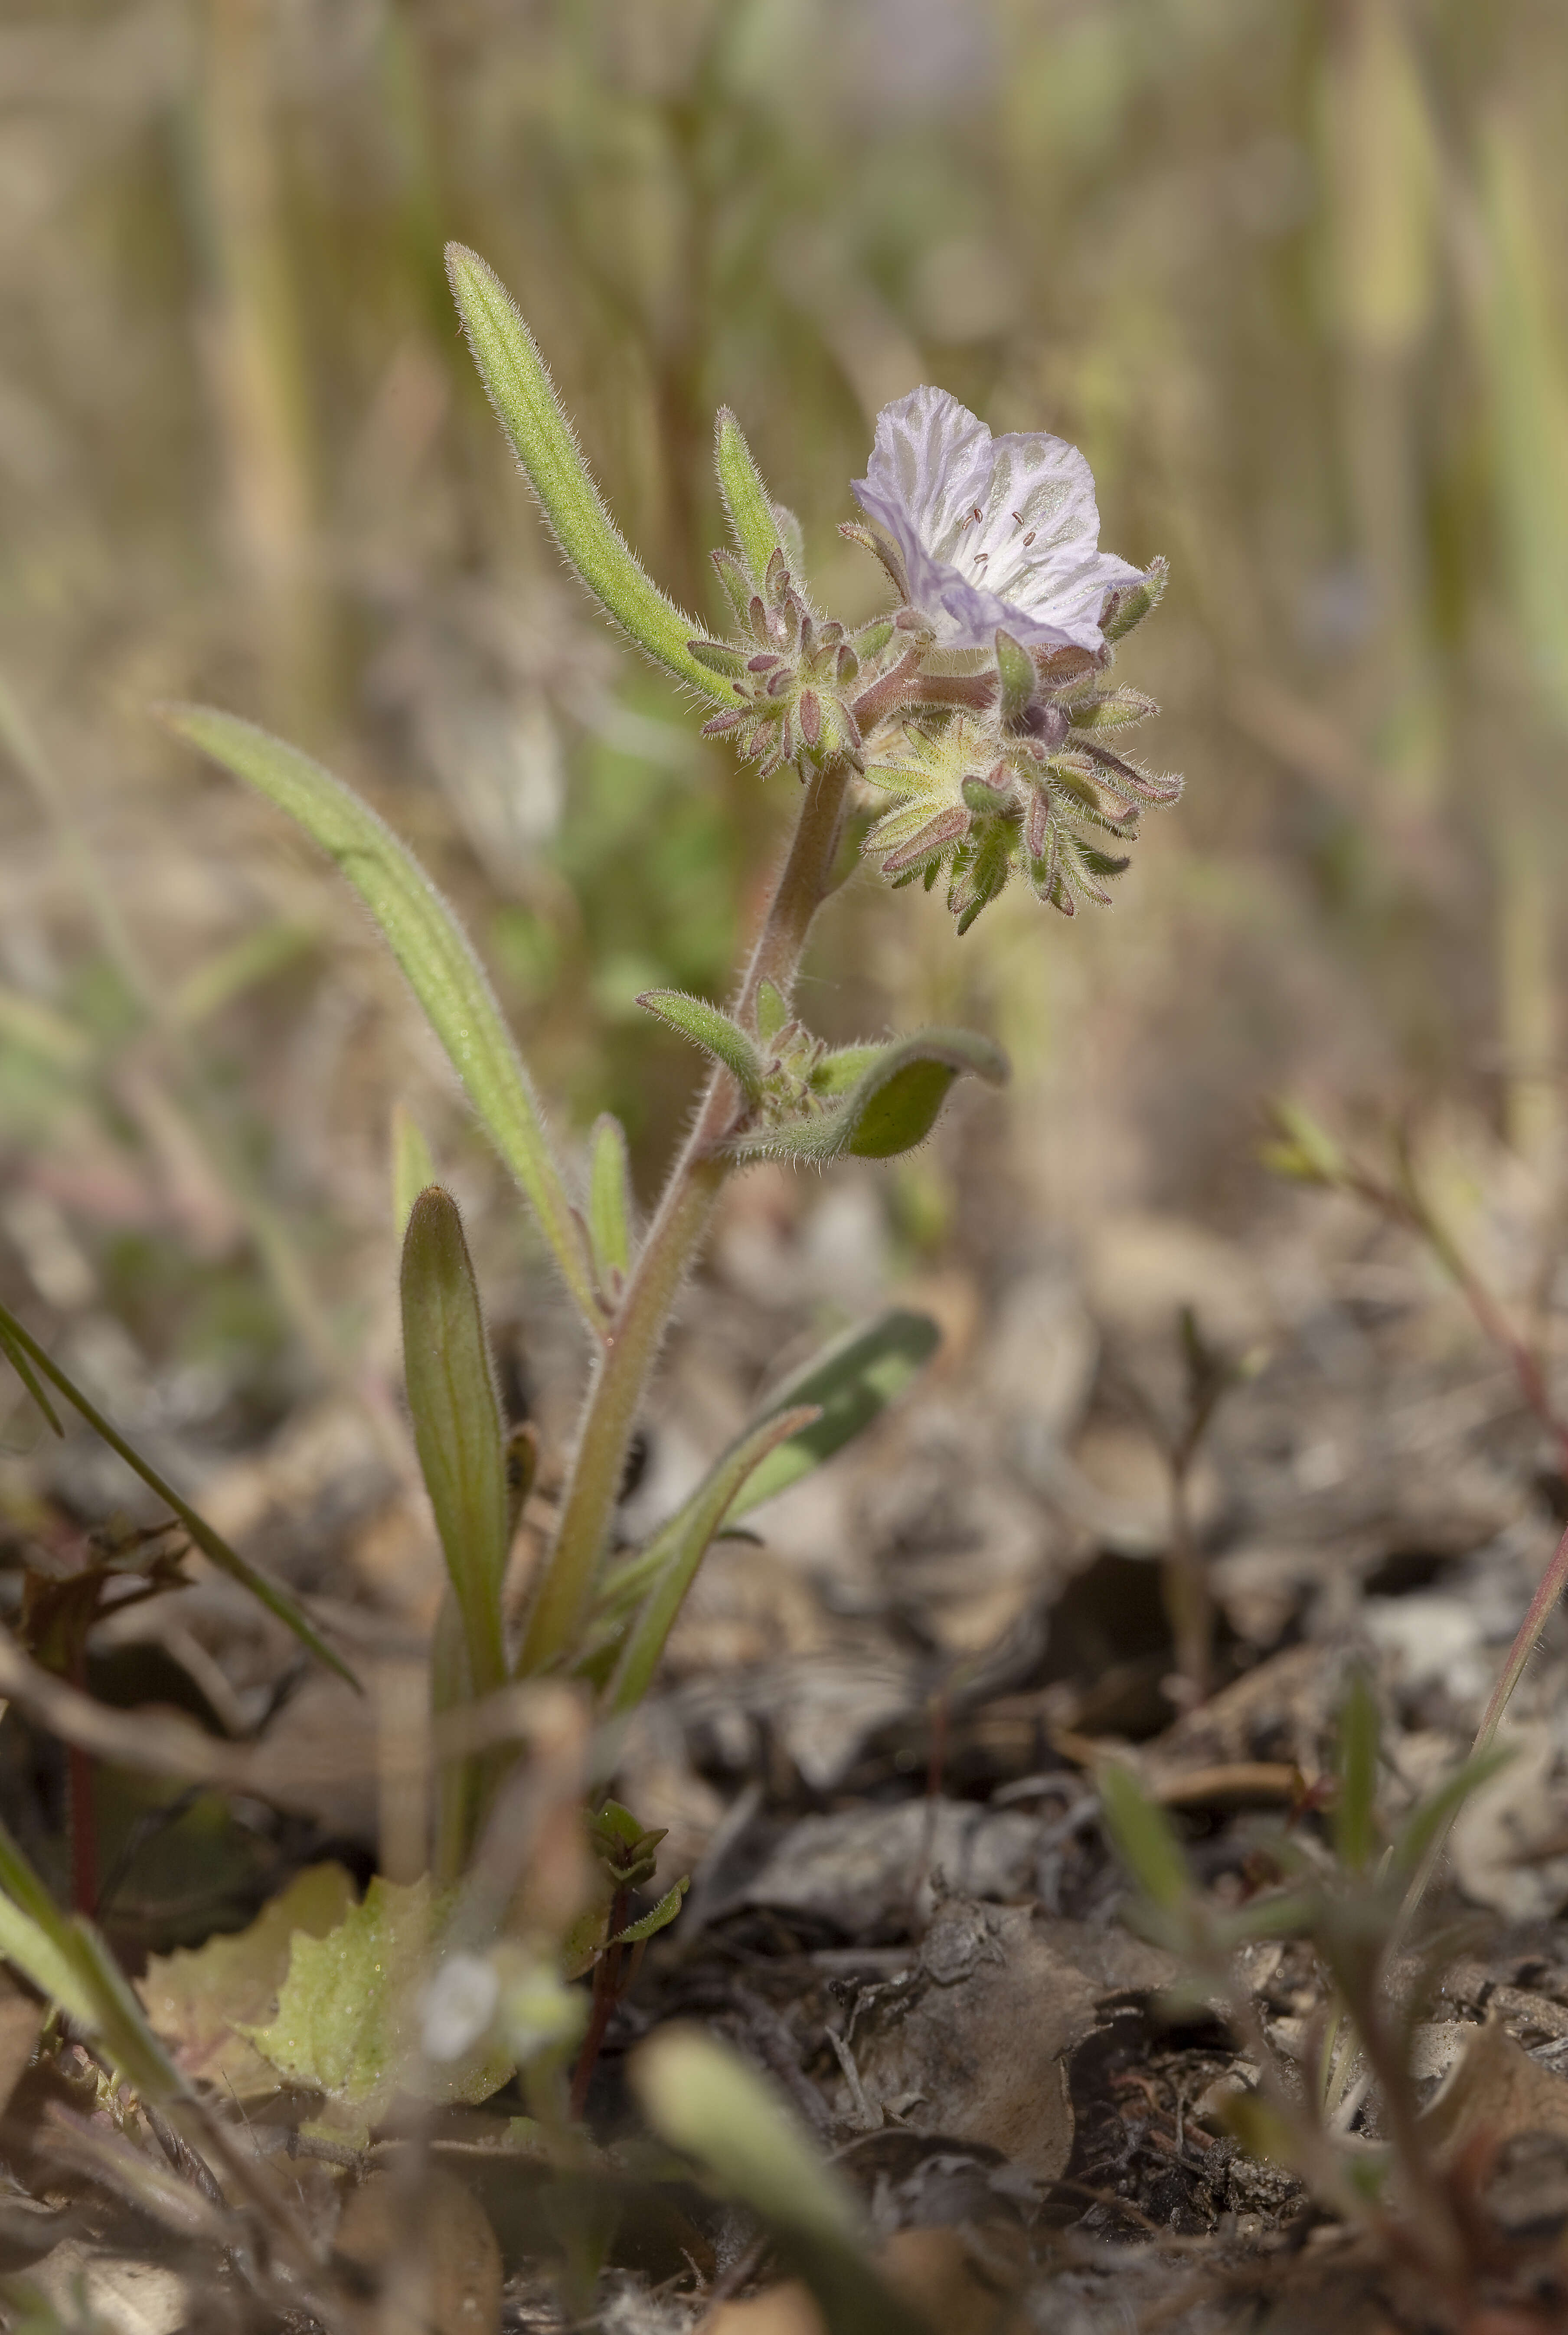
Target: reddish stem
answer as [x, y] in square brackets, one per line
[607, 1994]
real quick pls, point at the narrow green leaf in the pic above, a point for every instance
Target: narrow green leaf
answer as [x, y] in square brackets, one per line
[850, 1383]
[412, 1168]
[17, 1358]
[610, 1204]
[433, 951]
[746, 500]
[457, 1423]
[714, 1031]
[211, 1544]
[65, 1958]
[1143, 1837]
[892, 1106]
[531, 414]
[677, 1549]
[1430, 1818]
[1355, 1808]
[663, 1914]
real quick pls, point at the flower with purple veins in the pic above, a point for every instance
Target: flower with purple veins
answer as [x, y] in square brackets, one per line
[986, 532]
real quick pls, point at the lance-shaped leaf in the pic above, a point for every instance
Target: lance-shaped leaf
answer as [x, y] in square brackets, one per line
[714, 1031]
[609, 1204]
[433, 951]
[649, 1925]
[671, 1558]
[531, 414]
[457, 1423]
[20, 1349]
[746, 500]
[1144, 1838]
[891, 1107]
[850, 1383]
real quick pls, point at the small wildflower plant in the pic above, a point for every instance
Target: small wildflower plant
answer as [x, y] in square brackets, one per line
[973, 718]
[969, 720]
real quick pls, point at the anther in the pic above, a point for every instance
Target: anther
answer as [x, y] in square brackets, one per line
[1028, 538]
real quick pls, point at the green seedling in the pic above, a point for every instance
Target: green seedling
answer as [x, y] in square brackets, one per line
[1349, 1899]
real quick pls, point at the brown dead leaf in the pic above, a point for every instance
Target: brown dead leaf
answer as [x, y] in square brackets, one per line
[962, 2284]
[1495, 2089]
[431, 2251]
[977, 2048]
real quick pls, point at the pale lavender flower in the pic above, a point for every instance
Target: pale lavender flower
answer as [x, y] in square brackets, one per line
[990, 532]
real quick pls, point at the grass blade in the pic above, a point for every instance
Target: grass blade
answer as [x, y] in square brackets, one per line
[850, 1383]
[675, 1553]
[433, 951]
[212, 1544]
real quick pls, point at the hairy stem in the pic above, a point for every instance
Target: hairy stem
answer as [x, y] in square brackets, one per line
[565, 1588]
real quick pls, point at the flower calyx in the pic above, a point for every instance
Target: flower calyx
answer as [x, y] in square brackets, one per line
[806, 1102]
[1012, 789]
[791, 669]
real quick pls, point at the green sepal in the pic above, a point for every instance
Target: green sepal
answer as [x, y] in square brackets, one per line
[892, 1106]
[713, 1031]
[718, 657]
[1130, 604]
[738, 586]
[609, 1205]
[457, 1422]
[531, 414]
[746, 499]
[772, 1010]
[1110, 709]
[1018, 678]
[792, 539]
[23, 1350]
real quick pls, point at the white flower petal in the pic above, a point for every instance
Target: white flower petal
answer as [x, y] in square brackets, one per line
[992, 532]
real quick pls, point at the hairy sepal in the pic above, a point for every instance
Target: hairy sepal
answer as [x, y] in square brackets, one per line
[892, 1106]
[713, 1031]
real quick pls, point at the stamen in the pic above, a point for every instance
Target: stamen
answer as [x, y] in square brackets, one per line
[1028, 538]
[977, 513]
[1019, 516]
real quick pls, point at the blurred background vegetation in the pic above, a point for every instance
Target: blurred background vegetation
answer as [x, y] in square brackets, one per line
[1294, 273]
